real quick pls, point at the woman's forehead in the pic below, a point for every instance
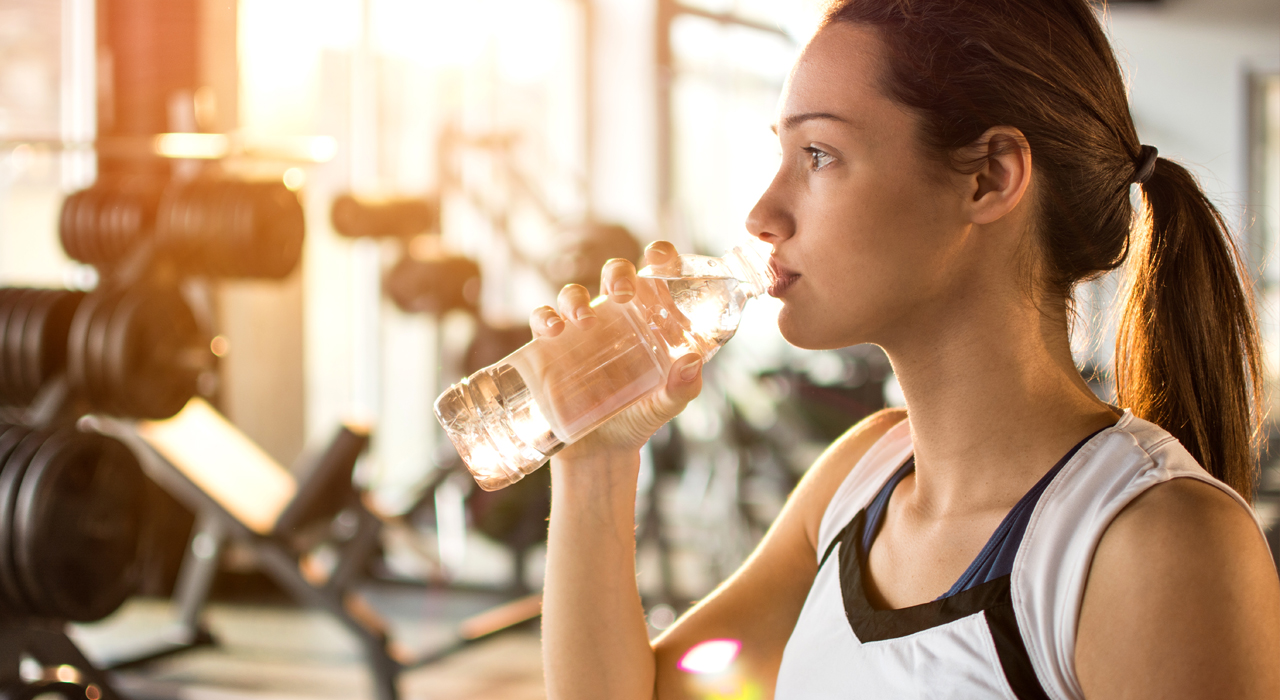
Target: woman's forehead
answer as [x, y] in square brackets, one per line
[837, 74]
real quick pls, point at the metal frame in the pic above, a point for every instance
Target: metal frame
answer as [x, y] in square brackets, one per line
[277, 559]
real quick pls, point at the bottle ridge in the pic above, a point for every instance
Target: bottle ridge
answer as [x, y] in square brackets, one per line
[507, 419]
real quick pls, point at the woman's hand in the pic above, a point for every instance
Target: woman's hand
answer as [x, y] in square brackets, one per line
[629, 430]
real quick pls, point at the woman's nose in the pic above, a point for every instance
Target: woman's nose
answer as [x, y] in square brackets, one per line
[769, 220]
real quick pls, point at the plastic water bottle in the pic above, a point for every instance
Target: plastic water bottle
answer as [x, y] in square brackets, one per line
[507, 419]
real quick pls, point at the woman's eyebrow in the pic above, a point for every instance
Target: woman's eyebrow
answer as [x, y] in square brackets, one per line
[794, 120]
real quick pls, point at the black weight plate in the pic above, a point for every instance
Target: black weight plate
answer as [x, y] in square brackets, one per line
[103, 221]
[7, 297]
[77, 524]
[86, 226]
[10, 479]
[67, 225]
[281, 229]
[11, 346]
[177, 218]
[252, 253]
[109, 224]
[27, 366]
[66, 222]
[45, 348]
[100, 394]
[78, 341]
[228, 222]
[10, 436]
[133, 212]
[126, 219]
[54, 446]
[152, 351]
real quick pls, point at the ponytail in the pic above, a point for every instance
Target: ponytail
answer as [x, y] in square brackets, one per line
[1187, 348]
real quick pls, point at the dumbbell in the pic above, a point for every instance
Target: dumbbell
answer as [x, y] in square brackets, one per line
[435, 285]
[394, 218]
[33, 339]
[584, 249]
[70, 521]
[231, 228]
[104, 223]
[136, 351]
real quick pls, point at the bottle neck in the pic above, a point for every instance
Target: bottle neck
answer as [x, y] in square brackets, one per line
[750, 268]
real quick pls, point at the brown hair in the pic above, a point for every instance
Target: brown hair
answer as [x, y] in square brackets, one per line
[1187, 351]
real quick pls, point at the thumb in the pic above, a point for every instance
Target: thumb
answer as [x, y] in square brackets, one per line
[684, 382]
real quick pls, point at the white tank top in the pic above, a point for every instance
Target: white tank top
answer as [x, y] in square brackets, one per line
[1012, 637]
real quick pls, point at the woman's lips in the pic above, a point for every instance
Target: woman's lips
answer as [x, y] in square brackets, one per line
[782, 278]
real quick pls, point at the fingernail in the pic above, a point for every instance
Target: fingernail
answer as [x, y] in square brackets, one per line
[622, 288]
[554, 322]
[689, 371]
[584, 312]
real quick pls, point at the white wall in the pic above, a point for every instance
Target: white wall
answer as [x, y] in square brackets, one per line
[1187, 63]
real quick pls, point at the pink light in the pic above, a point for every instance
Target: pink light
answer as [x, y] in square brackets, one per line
[711, 656]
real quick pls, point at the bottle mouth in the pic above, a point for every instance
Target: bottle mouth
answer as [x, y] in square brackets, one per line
[750, 266]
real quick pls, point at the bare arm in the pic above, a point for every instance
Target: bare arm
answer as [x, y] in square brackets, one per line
[1182, 601]
[595, 641]
[760, 603]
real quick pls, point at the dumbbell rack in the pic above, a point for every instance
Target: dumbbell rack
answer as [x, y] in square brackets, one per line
[63, 669]
[68, 531]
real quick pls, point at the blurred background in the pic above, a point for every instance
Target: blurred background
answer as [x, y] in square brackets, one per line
[433, 170]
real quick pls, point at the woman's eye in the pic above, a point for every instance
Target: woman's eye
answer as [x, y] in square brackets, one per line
[818, 158]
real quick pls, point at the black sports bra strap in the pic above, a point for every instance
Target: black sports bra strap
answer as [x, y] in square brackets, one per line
[834, 541]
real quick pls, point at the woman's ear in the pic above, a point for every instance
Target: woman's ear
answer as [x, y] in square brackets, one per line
[1000, 174]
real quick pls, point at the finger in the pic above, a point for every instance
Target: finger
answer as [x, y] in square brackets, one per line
[618, 280]
[575, 305]
[545, 322]
[684, 382]
[660, 252]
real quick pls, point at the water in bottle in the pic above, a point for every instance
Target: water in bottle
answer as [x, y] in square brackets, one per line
[508, 418]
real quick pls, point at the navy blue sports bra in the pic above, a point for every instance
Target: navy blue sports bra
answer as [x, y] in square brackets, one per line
[996, 558]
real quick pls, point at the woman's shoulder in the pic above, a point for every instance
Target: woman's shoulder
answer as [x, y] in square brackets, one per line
[1182, 575]
[830, 474]
[1135, 556]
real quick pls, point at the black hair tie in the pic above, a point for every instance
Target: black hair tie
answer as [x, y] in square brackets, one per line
[1146, 164]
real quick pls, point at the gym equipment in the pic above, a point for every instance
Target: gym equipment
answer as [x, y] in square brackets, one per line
[393, 218]
[226, 228]
[434, 286]
[64, 672]
[222, 228]
[585, 250]
[33, 339]
[136, 351]
[69, 522]
[70, 517]
[239, 492]
[101, 225]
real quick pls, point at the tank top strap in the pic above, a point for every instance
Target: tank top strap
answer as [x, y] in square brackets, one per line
[1052, 566]
[863, 482]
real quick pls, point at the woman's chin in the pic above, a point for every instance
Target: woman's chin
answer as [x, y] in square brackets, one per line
[811, 333]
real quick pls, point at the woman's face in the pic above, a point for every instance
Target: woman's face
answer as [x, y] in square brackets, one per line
[868, 233]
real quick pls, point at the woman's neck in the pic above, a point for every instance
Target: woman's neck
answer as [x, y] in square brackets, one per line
[994, 402]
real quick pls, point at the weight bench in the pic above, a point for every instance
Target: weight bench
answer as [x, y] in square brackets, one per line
[238, 491]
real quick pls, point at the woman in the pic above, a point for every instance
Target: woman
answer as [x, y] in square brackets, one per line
[951, 169]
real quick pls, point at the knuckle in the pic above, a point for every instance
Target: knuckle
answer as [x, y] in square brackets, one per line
[618, 265]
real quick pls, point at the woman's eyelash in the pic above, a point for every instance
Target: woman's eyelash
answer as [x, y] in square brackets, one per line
[818, 158]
